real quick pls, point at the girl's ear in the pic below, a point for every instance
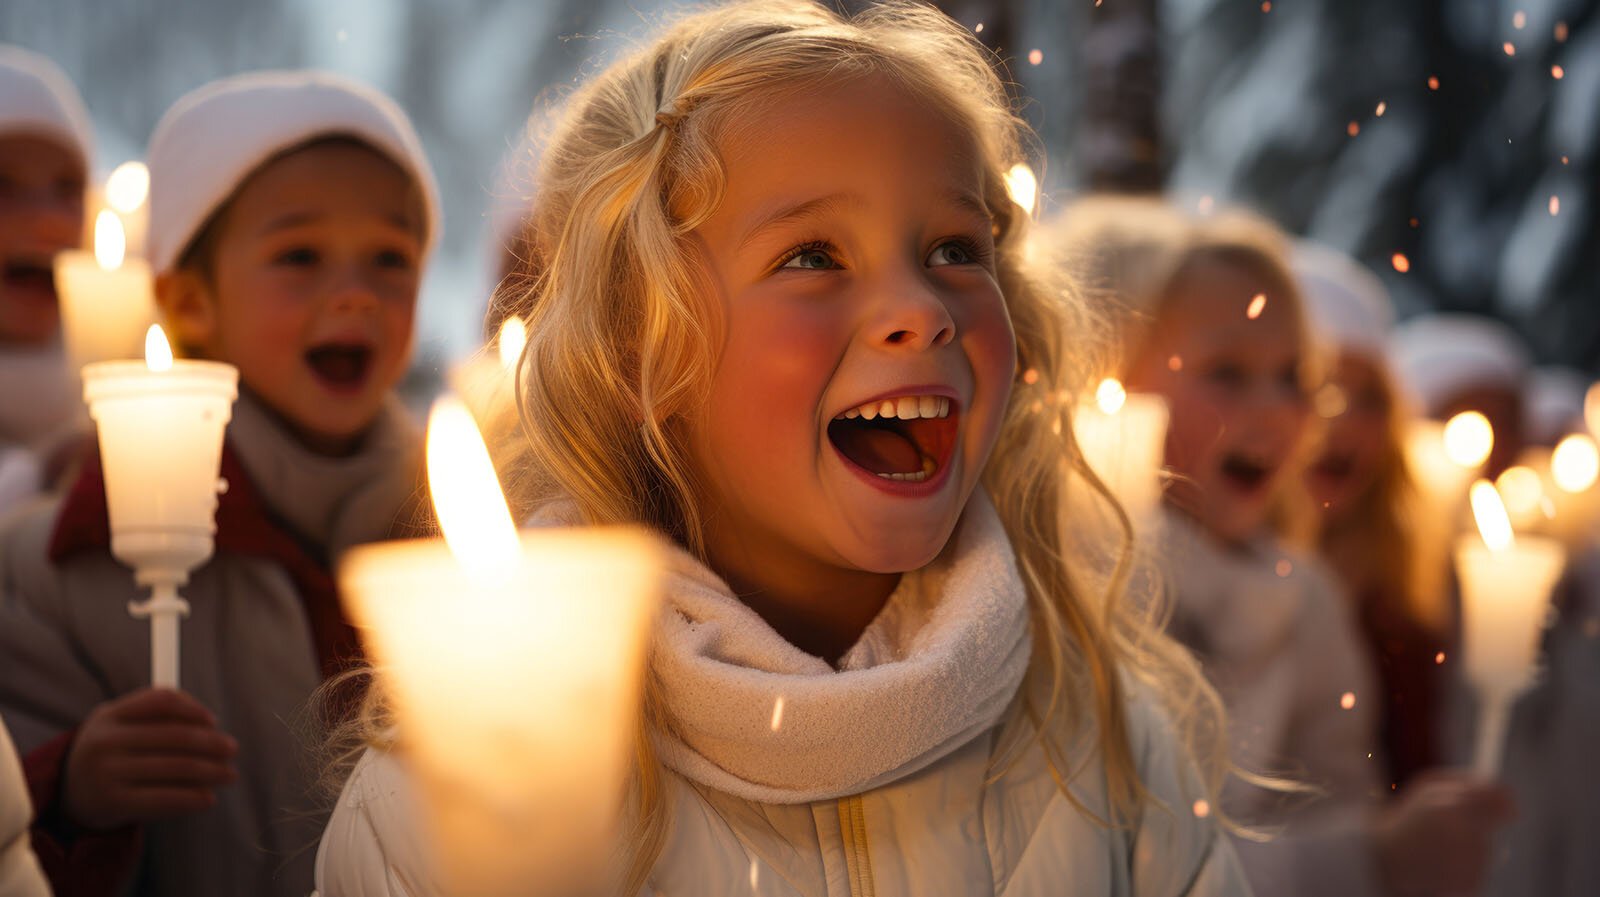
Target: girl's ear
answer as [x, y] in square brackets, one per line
[188, 309]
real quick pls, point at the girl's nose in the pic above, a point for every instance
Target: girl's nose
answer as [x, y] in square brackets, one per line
[354, 294]
[912, 316]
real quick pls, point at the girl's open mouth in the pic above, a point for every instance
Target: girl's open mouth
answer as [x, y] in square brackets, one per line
[906, 439]
[340, 367]
[1245, 473]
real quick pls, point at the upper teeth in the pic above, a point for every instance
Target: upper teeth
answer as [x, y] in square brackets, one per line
[904, 408]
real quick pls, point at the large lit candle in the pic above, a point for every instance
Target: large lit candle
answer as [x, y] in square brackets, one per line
[107, 298]
[1506, 582]
[514, 666]
[1123, 439]
[160, 425]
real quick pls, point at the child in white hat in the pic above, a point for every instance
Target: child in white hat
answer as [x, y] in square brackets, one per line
[291, 214]
[45, 152]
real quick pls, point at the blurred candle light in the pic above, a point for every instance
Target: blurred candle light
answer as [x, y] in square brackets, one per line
[1522, 491]
[1468, 439]
[1575, 464]
[1591, 409]
[487, 382]
[160, 425]
[126, 193]
[514, 664]
[1506, 583]
[1123, 440]
[1023, 186]
[107, 298]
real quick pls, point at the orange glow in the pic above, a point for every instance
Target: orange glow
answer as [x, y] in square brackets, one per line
[1433, 82]
[1035, 57]
[1400, 262]
[1510, 48]
[1382, 108]
[1555, 205]
[1353, 129]
[1557, 72]
[1347, 701]
[1258, 304]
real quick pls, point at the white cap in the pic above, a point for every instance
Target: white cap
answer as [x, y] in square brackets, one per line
[36, 97]
[215, 137]
[1552, 404]
[1349, 306]
[1439, 356]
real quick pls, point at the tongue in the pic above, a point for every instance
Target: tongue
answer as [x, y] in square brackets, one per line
[879, 450]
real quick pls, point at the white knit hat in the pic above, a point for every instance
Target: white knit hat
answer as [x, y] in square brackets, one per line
[36, 97]
[215, 137]
[1439, 356]
[1349, 306]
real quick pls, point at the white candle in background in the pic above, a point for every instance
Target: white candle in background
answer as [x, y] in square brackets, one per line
[160, 424]
[107, 298]
[1506, 583]
[514, 664]
[486, 383]
[1123, 439]
[127, 193]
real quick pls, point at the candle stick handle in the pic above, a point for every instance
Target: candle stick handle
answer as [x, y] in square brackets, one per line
[164, 608]
[1494, 712]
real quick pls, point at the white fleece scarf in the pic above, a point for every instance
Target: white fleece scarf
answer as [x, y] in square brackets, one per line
[758, 718]
[334, 503]
[43, 399]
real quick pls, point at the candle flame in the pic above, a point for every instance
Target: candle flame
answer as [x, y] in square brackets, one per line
[1575, 464]
[1468, 439]
[512, 340]
[1110, 396]
[1023, 186]
[1494, 525]
[110, 243]
[1521, 489]
[472, 511]
[1400, 262]
[157, 351]
[128, 187]
[1258, 304]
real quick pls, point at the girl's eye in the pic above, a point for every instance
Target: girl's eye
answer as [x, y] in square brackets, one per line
[811, 258]
[297, 257]
[394, 258]
[1226, 374]
[951, 252]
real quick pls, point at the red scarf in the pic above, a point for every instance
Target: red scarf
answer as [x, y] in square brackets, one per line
[244, 527]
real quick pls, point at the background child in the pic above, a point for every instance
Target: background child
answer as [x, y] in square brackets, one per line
[290, 216]
[782, 319]
[45, 153]
[1366, 507]
[1228, 347]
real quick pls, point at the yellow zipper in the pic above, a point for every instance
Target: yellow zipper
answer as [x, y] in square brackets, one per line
[857, 855]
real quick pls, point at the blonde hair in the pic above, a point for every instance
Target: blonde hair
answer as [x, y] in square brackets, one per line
[623, 343]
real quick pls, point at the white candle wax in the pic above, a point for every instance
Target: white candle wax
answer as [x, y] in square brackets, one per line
[107, 299]
[160, 435]
[516, 697]
[1126, 448]
[1505, 596]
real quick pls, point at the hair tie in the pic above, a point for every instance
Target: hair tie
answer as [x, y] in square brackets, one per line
[668, 116]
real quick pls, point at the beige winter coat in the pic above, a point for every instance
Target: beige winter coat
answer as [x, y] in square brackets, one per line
[68, 643]
[872, 779]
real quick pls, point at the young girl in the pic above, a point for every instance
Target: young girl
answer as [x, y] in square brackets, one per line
[1228, 346]
[290, 216]
[1366, 506]
[45, 153]
[782, 319]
